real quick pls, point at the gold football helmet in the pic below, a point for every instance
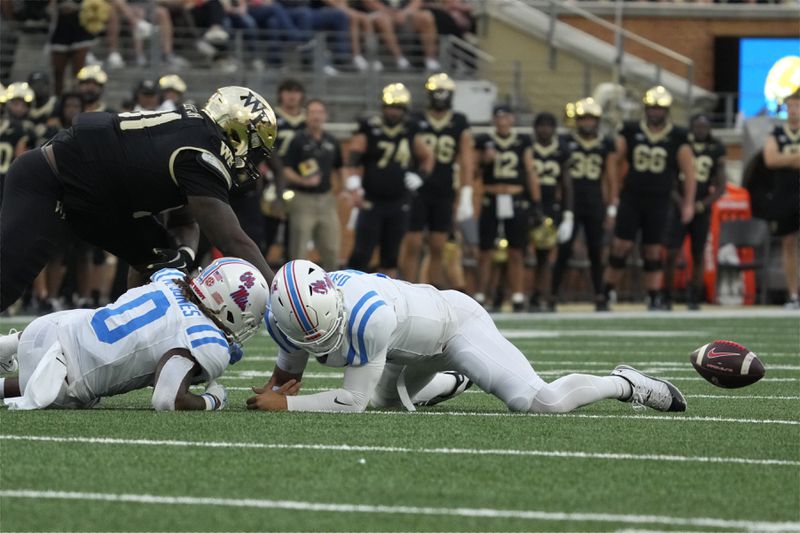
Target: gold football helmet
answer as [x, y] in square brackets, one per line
[657, 96]
[587, 107]
[19, 90]
[92, 73]
[172, 82]
[396, 94]
[440, 88]
[248, 123]
[544, 235]
[2, 94]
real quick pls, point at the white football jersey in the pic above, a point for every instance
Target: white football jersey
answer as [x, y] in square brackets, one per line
[116, 349]
[404, 321]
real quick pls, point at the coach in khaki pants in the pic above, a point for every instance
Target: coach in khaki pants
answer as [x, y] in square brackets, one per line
[313, 162]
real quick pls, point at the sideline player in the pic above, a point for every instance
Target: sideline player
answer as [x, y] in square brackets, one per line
[709, 165]
[392, 338]
[109, 176]
[168, 334]
[654, 151]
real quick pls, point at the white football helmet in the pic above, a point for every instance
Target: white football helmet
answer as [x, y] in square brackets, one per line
[236, 293]
[307, 307]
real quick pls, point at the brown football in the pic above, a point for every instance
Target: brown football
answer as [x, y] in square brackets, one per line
[727, 364]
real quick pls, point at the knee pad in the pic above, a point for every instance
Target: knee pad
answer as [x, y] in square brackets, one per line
[653, 265]
[616, 261]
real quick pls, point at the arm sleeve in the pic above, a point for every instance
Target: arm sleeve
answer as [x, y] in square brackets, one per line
[358, 387]
[196, 178]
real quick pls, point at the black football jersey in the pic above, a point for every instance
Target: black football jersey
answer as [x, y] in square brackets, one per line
[706, 163]
[443, 137]
[389, 154]
[508, 166]
[586, 162]
[11, 132]
[142, 163]
[288, 126]
[39, 117]
[652, 158]
[787, 180]
[549, 161]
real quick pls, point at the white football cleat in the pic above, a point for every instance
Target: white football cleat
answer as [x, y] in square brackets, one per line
[658, 394]
[462, 384]
[8, 352]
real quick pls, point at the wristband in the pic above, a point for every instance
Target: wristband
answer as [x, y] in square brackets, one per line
[188, 251]
[611, 211]
[353, 183]
[211, 401]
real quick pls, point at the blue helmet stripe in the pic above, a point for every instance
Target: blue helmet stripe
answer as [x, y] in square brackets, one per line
[297, 302]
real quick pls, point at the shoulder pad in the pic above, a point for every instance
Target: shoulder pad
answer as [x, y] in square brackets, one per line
[212, 163]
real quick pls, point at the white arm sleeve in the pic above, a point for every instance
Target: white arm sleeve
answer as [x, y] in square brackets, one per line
[169, 382]
[358, 387]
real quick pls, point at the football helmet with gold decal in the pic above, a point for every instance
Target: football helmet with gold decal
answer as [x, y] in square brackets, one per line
[657, 96]
[440, 88]
[248, 124]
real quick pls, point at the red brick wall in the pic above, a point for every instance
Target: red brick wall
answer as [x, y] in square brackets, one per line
[693, 38]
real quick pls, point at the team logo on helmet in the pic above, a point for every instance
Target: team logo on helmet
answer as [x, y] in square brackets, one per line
[251, 100]
[240, 296]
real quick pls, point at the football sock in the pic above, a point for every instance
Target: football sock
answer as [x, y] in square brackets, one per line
[575, 390]
[2, 388]
[440, 385]
[9, 345]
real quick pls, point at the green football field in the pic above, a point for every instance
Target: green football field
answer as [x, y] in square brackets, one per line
[731, 462]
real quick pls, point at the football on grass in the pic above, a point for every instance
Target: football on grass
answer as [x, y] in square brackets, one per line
[727, 364]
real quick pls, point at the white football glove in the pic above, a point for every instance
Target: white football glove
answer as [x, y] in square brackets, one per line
[413, 181]
[565, 228]
[220, 395]
[352, 183]
[464, 210]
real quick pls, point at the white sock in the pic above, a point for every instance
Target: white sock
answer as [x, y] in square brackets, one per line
[2, 388]
[625, 391]
[575, 390]
[441, 384]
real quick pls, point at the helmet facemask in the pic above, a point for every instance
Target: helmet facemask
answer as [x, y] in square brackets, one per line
[322, 342]
[440, 99]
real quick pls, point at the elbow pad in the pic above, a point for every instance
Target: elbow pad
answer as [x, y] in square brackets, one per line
[169, 382]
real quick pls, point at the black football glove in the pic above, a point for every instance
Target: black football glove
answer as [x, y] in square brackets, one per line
[536, 216]
[169, 258]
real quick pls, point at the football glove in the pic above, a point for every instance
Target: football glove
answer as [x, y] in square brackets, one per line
[216, 396]
[236, 352]
[565, 228]
[413, 181]
[167, 258]
[464, 210]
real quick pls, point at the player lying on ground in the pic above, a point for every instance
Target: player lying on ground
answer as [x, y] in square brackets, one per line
[168, 334]
[393, 337]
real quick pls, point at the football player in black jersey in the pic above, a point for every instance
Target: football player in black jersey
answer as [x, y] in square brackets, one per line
[549, 160]
[592, 171]
[91, 82]
[43, 107]
[510, 194]
[652, 151]
[709, 165]
[448, 136]
[16, 131]
[782, 155]
[108, 176]
[396, 162]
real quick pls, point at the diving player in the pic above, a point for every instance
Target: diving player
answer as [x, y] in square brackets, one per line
[109, 176]
[168, 334]
[393, 337]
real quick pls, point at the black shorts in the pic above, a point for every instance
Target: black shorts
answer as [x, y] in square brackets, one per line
[68, 34]
[515, 228]
[696, 229]
[648, 214]
[383, 224]
[432, 212]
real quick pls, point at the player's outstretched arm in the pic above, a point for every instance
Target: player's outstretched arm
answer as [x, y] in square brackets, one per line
[219, 223]
[174, 374]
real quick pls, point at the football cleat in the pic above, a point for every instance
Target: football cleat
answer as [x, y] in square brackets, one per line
[650, 392]
[8, 352]
[462, 384]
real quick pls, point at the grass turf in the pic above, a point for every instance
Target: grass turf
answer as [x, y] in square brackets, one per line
[464, 454]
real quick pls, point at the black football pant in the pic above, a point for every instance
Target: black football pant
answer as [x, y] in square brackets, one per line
[383, 223]
[31, 229]
[592, 224]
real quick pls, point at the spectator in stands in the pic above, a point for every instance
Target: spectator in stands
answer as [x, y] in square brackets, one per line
[709, 164]
[313, 165]
[146, 96]
[654, 151]
[782, 155]
[310, 17]
[238, 18]
[452, 17]
[69, 40]
[172, 89]
[91, 81]
[272, 16]
[366, 23]
[209, 16]
[139, 14]
[413, 16]
[510, 193]
[394, 159]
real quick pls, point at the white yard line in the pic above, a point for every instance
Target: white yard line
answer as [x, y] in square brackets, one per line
[398, 449]
[294, 505]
